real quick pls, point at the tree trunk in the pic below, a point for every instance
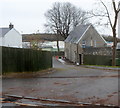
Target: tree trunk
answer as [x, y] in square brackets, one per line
[58, 46]
[114, 56]
[114, 48]
[58, 49]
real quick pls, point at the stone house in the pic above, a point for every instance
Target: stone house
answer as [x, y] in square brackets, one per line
[83, 36]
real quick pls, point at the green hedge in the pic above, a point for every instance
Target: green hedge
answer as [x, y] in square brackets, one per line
[118, 58]
[20, 60]
[55, 53]
[118, 53]
[97, 60]
[101, 60]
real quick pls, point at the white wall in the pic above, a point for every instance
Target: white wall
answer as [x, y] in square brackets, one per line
[12, 39]
[54, 44]
[25, 44]
[0, 41]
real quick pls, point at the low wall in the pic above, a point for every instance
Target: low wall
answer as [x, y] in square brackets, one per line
[98, 51]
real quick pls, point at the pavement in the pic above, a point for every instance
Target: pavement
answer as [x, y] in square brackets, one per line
[68, 83]
[104, 68]
[94, 67]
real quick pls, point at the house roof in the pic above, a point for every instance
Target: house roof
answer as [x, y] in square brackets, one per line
[77, 33]
[3, 31]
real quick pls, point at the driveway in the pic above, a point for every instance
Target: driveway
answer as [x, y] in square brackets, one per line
[68, 82]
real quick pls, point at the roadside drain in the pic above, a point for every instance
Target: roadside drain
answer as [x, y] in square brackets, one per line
[32, 101]
[10, 99]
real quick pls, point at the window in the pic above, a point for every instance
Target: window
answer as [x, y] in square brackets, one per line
[94, 43]
[83, 44]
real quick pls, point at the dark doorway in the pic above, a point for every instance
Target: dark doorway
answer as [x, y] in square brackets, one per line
[80, 60]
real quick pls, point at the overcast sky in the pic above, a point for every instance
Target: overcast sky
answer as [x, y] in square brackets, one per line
[28, 15]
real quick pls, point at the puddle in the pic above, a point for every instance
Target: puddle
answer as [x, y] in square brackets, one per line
[9, 99]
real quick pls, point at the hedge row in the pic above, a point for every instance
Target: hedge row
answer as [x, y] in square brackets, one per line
[55, 53]
[101, 60]
[118, 53]
[97, 60]
[20, 60]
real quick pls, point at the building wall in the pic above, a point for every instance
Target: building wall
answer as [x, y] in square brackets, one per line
[0, 41]
[66, 50]
[92, 38]
[12, 39]
[71, 51]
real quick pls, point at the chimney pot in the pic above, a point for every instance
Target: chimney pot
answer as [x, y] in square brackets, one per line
[11, 26]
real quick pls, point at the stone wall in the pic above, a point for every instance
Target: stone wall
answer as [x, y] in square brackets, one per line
[106, 51]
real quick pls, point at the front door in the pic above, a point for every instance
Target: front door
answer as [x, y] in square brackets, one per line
[80, 59]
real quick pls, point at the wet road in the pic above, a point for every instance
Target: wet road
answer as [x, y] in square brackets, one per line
[68, 82]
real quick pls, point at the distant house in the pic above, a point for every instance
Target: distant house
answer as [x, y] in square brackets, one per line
[118, 46]
[109, 40]
[83, 36]
[10, 37]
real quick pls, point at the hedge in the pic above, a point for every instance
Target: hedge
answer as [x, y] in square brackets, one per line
[101, 59]
[97, 60]
[56, 53]
[23, 60]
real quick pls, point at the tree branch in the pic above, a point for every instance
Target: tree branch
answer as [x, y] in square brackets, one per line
[114, 6]
[119, 7]
[107, 13]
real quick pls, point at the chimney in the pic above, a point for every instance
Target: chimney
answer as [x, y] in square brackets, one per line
[11, 26]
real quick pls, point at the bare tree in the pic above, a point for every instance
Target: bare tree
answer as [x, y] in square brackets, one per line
[63, 17]
[111, 21]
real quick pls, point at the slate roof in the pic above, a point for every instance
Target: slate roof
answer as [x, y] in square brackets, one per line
[3, 31]
[77, 33]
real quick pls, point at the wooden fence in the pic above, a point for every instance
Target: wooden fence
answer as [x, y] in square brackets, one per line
[22, 60]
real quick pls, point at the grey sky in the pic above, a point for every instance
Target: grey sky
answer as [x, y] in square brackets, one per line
[28, 15]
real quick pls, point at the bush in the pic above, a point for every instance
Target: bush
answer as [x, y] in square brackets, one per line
[97, 60]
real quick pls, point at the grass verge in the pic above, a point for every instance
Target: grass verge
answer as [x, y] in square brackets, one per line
[28, 74]
[104, 66]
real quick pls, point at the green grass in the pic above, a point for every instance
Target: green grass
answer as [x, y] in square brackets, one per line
[105, 66]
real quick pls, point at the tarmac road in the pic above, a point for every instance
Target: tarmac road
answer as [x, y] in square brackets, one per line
[68, 82]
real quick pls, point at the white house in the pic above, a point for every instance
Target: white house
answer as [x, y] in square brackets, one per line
[10, 37]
